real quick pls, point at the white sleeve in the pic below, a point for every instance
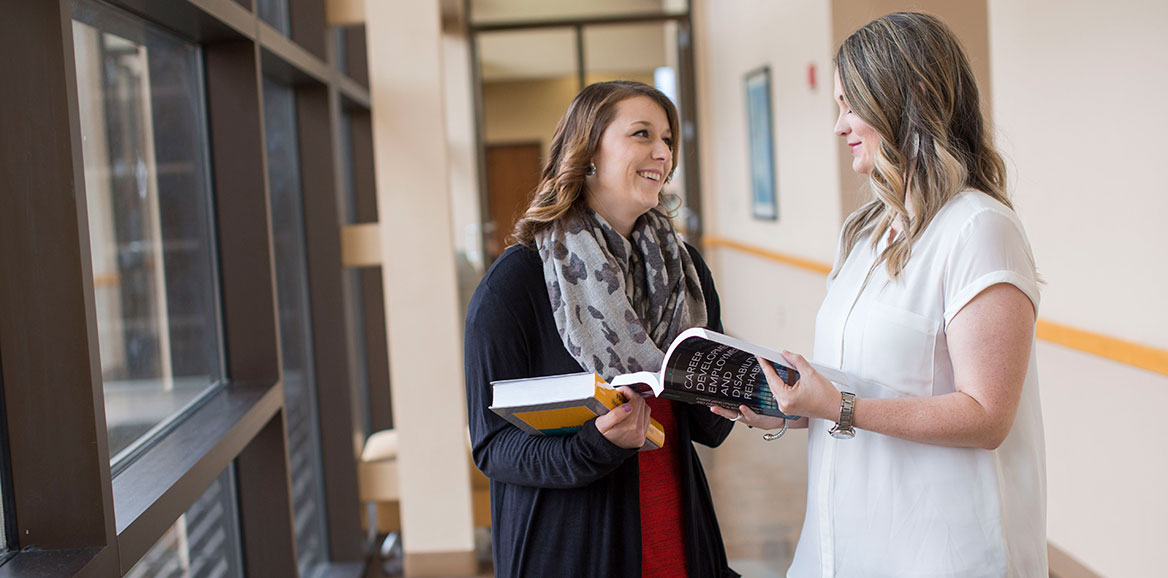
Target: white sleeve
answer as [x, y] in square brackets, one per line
[991, 248]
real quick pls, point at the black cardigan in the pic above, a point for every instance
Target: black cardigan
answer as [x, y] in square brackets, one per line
[569, 506]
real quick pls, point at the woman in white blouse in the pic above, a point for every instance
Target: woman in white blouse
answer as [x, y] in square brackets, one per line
[935, 464]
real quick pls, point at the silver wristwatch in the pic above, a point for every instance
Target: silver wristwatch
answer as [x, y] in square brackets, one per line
[843, 430]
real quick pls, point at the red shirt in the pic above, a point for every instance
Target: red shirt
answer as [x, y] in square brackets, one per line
[662, 541]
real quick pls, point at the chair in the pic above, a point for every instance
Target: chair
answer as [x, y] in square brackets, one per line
[377, 482]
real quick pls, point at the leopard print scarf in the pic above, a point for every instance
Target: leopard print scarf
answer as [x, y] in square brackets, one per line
[617, 302]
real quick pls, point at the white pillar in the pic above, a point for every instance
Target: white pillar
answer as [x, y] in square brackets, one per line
[412, 165]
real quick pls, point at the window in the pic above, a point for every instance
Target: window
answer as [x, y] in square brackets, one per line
[365, 305]
[354, 310]
[275, 12]
[141, 152]
[203, 543]
[150, 236]
[287, 210]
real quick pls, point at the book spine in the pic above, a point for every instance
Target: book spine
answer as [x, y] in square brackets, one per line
[608, 396]
[655, 436]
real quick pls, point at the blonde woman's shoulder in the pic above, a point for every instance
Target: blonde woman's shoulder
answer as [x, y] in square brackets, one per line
[970, 202]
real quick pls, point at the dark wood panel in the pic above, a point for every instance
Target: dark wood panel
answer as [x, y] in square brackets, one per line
[356, 57]
[326, 295]
[159, 486]
[308, 25]
[241, 208]
[234, 106]
[364, 184]
[376, 349]
[372, 306]
[354, 95]
[55, 564]
[288, 62]
[198, 20]
[51, 370]
[265, 503]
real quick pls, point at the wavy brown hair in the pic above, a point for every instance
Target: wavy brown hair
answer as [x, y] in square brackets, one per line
[561, 187]
[907, 76]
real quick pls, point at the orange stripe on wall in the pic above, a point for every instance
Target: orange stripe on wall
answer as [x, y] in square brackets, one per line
[1141, 356]
[1126, 352]
[716, 242]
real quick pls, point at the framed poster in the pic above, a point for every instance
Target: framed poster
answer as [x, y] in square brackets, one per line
[759, 126]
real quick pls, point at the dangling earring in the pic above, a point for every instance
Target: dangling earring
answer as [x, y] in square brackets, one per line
[591, 169]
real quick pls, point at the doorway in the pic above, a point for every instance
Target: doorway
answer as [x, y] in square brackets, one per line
[512, 174]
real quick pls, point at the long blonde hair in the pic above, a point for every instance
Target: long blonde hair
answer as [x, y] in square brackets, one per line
[907, 76]
[576, 140]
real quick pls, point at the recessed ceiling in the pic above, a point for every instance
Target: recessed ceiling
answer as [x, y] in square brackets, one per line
[551, 52]
[483, 11]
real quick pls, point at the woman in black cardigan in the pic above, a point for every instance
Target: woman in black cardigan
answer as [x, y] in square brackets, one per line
[598, 281]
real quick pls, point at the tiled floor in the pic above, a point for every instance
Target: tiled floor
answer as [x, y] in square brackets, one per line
[759, 492]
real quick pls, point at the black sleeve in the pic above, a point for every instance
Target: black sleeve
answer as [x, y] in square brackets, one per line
[706, 427]
[498, 347]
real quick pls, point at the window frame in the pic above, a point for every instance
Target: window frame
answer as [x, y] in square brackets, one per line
[63, 492]
[121, 24]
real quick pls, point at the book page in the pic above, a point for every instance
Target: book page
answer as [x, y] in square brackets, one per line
[645, 383]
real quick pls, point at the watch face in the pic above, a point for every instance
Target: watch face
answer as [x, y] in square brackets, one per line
[842, 434]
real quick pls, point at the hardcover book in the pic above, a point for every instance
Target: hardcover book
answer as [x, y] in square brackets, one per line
[561, 404]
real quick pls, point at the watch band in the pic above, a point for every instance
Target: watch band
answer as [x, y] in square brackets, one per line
[843, 428]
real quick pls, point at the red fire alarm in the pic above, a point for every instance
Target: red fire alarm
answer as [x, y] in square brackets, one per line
[811, 76]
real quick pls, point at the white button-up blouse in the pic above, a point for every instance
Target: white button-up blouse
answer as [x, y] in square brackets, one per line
[882, 506]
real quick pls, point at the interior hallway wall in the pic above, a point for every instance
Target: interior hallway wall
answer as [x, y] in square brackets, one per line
[763, 301]
[1076, 87]
[732, 39]
[527, 110]
[1067, 87]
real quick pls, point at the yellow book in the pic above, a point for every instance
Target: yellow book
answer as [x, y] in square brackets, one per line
[561, 404]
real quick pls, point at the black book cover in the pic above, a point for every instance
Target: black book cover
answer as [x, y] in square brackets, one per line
[703, 371]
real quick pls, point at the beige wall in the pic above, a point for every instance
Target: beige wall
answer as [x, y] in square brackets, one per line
[1071, 87]
[1074, 87]
[528, 110]
[1078, 89]
[525, 110]
[733, 38]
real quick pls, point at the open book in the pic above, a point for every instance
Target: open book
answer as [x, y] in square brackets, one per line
[707, 367]
[701, 366]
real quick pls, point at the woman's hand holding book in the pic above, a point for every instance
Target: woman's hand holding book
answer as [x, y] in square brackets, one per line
[626, 424]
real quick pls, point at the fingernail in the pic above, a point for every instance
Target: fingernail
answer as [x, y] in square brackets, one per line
[627, 407]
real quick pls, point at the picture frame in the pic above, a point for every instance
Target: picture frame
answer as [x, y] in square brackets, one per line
[764, 203]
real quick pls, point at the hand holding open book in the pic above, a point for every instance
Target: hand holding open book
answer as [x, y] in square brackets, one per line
[701, 366]
[628, 424]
